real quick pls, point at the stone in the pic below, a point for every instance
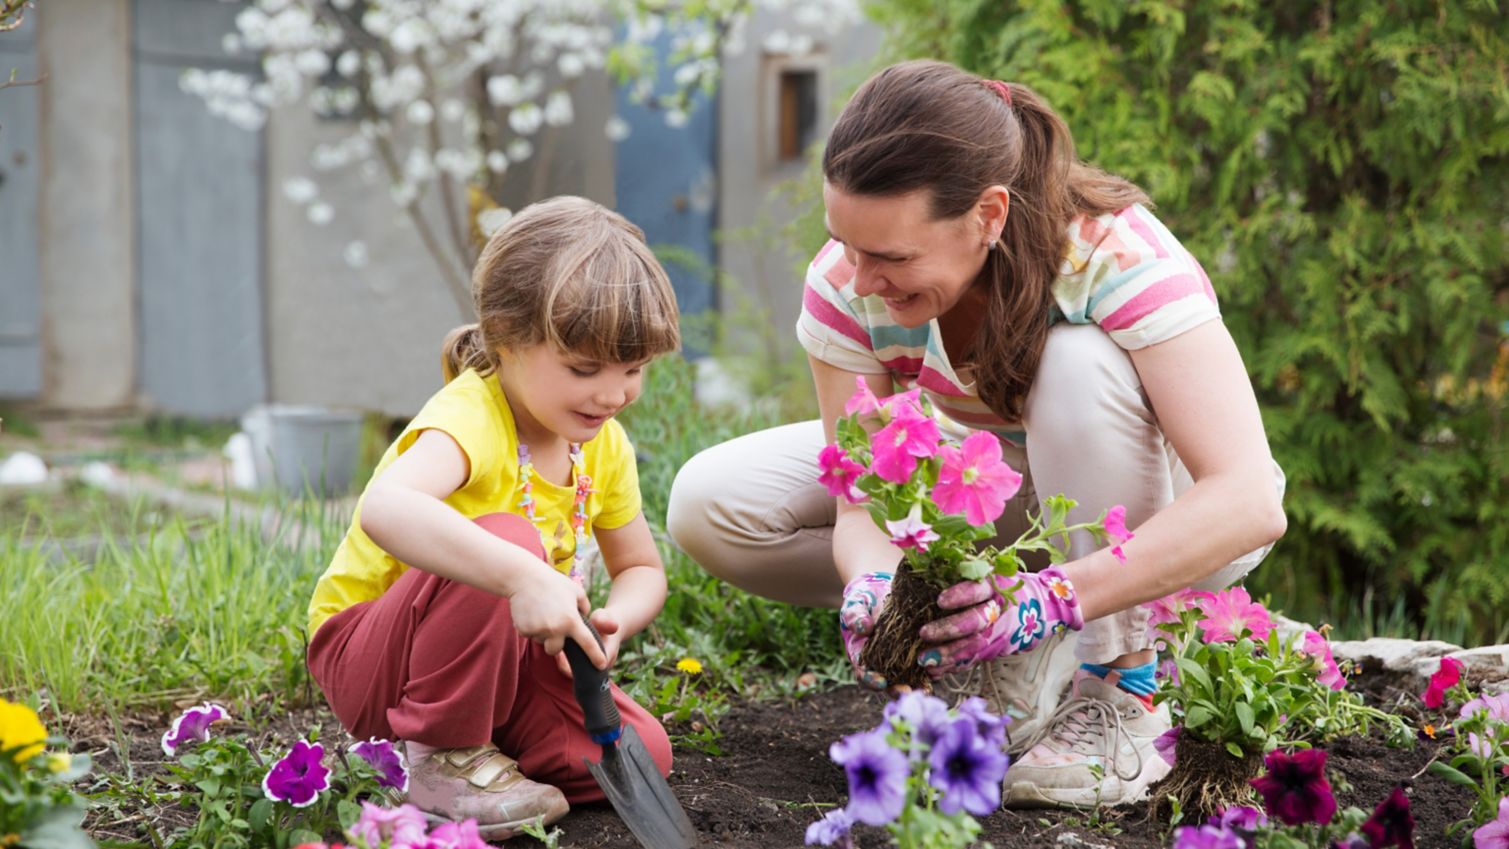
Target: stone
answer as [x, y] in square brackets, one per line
[1419, 657]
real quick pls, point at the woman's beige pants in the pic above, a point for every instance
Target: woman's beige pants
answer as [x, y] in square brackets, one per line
[752, 512]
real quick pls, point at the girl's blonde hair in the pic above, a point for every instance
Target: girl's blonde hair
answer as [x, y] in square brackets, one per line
[573, 273]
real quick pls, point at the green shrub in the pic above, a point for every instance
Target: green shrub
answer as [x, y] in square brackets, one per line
[1340, 169]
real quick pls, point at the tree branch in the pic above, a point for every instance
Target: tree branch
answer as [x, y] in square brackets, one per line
[15, 83]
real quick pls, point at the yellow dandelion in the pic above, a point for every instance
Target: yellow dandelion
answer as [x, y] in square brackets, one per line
[59, 761]
[20, 729]
[9, 839]
[689, 665]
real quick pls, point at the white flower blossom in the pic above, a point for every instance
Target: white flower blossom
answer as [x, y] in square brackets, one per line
[421, 112]
[617, 129]
[356, 254]
[558, 109]
[300, 190]
[497, 161]
[520, 150]
[320, 213]
[525, 119]
[676, 118]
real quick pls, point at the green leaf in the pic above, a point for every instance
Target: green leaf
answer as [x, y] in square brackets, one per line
[974, 569]
[1235, 750]
[58, 828]
[1244, 716]
[1198, 716]
[1455, 776]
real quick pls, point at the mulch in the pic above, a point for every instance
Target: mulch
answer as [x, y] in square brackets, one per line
[774, 777]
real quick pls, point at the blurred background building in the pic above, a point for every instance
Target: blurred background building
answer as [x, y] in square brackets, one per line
[150, 260]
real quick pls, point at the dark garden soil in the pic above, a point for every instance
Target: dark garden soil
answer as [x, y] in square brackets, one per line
[774, 777]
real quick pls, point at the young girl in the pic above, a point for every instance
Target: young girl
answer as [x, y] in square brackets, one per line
[442, 617]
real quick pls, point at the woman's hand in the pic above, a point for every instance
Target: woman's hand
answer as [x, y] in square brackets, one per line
[863, 598]
[548, 607]
[989, 625]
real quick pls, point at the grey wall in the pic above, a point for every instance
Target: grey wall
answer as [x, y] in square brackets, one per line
[20, 277]
[85, 212]
[751, 254]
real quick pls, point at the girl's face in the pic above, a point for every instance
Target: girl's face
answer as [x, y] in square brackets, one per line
[919, 265]
[556, 393]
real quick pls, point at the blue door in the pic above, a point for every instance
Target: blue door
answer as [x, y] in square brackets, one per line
[665, 181]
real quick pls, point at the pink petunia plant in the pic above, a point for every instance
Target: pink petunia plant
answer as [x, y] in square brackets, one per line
[973, 479]
[1231, 614]
[936, 498]
[1447, 675]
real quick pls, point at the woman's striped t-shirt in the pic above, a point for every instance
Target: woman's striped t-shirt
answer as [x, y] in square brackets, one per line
[1123, 271]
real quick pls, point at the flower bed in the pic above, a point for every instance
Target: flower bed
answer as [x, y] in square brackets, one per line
[775, 778]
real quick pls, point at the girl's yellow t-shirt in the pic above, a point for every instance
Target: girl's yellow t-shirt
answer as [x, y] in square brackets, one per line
[473, 411]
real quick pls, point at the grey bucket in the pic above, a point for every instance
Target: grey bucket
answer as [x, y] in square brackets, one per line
[304, 446]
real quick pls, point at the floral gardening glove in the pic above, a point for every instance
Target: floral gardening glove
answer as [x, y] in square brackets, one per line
[989, 625]
[863, 597]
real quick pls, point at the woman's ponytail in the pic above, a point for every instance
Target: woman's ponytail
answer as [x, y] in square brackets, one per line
[463, 349]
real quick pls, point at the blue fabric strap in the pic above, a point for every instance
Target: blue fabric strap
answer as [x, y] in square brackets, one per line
[1137, 680]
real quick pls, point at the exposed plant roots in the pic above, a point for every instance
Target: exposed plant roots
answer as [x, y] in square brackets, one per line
[1205, 779]
[895, 643]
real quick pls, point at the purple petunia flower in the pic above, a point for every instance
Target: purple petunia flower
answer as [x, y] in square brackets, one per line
[877, 776]
[1295, 790]
[1207, 837]
[1167, 744]
[404, 825]
[1391, 823]
[831, 830]
[1242, 818]
[967, 769]
[299, 777]
[386, 760]
[192, 725]
[991, 728]
[923, 715]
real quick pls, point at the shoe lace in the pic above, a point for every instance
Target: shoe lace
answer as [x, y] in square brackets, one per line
[1083, 721]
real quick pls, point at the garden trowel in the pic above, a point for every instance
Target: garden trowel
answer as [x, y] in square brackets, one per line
[627, 773]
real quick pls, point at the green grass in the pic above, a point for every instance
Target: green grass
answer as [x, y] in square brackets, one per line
[208, 609]
[72, 510]
[186, 611]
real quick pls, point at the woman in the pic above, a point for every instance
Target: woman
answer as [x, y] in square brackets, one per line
[1033, 296]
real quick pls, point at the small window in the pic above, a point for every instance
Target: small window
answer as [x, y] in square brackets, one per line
[798, 112]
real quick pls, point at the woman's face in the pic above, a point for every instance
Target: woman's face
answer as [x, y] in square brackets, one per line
[922, 267]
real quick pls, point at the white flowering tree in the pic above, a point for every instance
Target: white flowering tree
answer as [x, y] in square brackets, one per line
[444, 97]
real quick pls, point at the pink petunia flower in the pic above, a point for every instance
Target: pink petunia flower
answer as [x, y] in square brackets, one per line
[899, 445]
[453, 835]
[1317, 647]
[1444, 678]
[973, 479]
[863, 402]
[404, 825]
[1231, 612]
[1116, 528]
[902, 404]
[839, 473]
[911, 532]
[1494, 834]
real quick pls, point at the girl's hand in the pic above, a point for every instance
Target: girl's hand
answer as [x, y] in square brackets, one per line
[988, 625]
[863, 598]
[548, 607]
[610, 629]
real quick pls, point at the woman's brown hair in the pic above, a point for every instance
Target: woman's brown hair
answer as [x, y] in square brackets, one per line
[573, 273]
[928, 125]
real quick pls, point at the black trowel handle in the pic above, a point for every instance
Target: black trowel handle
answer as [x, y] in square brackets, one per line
[594, 693]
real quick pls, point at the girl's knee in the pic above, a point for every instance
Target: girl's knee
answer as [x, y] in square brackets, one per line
[655, 739]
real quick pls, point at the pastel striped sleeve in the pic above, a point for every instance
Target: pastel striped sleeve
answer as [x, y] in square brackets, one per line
[829, 327]
[1140, 284]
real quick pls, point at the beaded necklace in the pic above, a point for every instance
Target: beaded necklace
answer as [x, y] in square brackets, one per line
[578, 506]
